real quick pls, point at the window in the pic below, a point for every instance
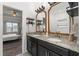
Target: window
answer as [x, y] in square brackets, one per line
[15, 27]
[11, 27]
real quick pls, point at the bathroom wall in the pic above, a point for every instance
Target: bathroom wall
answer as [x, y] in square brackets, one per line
[33, 6]
[1, 30]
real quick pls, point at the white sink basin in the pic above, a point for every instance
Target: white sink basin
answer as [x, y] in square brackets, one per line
[40, 35]
[54, 39]
[36, 35]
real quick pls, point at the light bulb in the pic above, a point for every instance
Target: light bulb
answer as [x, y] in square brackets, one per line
[14, 13]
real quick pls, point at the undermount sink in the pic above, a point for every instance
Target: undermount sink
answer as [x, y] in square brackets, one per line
[36, 35]
[40, 35]
[54, 39]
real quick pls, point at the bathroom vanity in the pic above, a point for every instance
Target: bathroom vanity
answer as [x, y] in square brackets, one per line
[42, 45]
[59, 23]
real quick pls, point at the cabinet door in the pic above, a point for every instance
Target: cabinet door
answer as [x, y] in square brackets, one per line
[50, 53]
[73, 53]
[29, 45]
[34, 49]
[42, 51]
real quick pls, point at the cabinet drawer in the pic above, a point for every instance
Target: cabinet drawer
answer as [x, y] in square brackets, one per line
[42, 51]
[28, 37]
[50, 53]
[32, 39]
[73, 53]
[60, 50]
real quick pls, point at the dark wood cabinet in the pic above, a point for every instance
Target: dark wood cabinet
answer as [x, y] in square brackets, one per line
[32, 45]
[38, 47]
[52, 47]
[42, 51]
[29, 45]
[34, 49]
[50, 53]
[73, 53]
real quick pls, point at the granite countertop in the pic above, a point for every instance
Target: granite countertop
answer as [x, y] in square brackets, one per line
[72, 45]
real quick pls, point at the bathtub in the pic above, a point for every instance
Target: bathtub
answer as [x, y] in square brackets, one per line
[9, 37]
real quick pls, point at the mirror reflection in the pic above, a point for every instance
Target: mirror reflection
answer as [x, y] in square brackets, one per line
[41, 22]
[59, 19]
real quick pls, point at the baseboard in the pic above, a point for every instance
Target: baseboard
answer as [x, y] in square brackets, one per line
[22, 53]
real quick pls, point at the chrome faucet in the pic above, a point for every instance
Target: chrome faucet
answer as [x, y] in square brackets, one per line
[58, 35]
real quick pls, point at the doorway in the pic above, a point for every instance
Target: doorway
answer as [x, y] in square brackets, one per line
[12, 28]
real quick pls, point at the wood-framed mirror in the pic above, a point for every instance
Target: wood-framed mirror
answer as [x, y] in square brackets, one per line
[41, 22]
[58, 19]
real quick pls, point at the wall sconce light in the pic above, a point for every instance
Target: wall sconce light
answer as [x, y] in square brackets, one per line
[13, 13]
[40, 9]
[51, 3]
